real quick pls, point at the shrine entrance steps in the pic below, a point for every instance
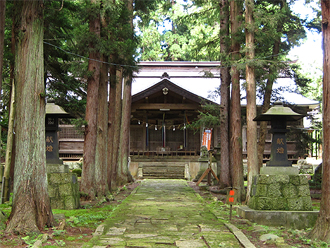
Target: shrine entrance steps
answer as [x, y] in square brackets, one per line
[163, 171]
[165, 168]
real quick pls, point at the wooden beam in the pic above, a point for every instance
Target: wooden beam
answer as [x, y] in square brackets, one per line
[170, 106]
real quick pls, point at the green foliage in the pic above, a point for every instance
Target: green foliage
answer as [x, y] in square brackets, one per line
[60, 243]
[58, 232]
[77, 171]
[209, 117]
[31, 238]
[88, 217]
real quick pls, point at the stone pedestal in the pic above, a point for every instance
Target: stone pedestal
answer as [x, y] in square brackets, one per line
[274, 170]
[280, 192]
[63, 188]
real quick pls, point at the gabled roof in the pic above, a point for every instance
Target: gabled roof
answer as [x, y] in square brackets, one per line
[191, 76]
[166, 83]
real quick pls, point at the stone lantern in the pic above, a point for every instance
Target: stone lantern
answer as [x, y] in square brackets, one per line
[53, 113]
[63, 188]
[279, 186]
[279, 115]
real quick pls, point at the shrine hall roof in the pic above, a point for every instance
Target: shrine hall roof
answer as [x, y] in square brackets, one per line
[202, 80]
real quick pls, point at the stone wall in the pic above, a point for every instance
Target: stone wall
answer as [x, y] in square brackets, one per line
[281, 192]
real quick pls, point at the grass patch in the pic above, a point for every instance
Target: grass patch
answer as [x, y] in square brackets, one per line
[86, 217]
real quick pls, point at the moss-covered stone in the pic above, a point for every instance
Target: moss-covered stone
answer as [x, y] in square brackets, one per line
[295, 204]
[264, 203]
[57, 203]
[270, 179]
[280, 203]
[252, 203]
[289, 191]
[66, 189]
[53, 192]
[304, 180]
[262, 190]
[274, 190]
[59, 178]
[295, 179]
[307, 203]
[70, 202]
[303, 190]
[281, 192]
[63, 190]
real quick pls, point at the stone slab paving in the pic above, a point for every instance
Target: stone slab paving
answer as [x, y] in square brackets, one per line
[163, 213]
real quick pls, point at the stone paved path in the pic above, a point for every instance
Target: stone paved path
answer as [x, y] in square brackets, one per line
[163, 213]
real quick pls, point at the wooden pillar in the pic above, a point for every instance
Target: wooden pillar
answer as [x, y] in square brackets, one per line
[147, 133]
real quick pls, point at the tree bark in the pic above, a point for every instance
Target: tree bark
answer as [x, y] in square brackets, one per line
[117, 125]
[123, 173]
[111, 126]
[93, 80]
[2, 39]
[31, 210]
[251, 111]
[10, 143]
[321, 229]
[101, 187]
[225, 178]
[236, 7]
[124, 150]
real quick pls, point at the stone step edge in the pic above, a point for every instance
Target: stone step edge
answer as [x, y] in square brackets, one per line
[240, 236]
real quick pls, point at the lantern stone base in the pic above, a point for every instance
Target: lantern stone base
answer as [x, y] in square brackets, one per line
[279, 170]
[280, 192]
[288, 219]
[63, 188]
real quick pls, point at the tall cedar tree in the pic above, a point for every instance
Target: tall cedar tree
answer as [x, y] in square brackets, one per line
[322, 227]
[117, 101]
[101, 158]
[93, 81]
[251, 108]
[111, 127]
[123, 175]
[31, 210]
[236, 9]
[2, 39]
[101, 187]
[225, 178]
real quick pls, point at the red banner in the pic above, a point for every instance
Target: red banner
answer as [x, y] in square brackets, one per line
[207, 136]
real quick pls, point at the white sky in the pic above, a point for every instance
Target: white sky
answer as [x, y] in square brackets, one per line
[309, 54]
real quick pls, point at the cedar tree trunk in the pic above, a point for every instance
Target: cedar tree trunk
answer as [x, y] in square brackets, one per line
[322, 227]
[225, 178]
[111, 121]
[2, 39]
[251, 111]
[117, 125]
[123, 173]
[31, 209]
[93, 81]
[101, 187]
[235, 110]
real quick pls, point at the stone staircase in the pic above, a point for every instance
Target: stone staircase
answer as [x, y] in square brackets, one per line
[162, 170]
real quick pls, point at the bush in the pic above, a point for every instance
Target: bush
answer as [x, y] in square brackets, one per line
[77, 171]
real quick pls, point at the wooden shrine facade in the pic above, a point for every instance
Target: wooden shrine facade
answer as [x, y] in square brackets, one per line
[160, 113]
[159, 119]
